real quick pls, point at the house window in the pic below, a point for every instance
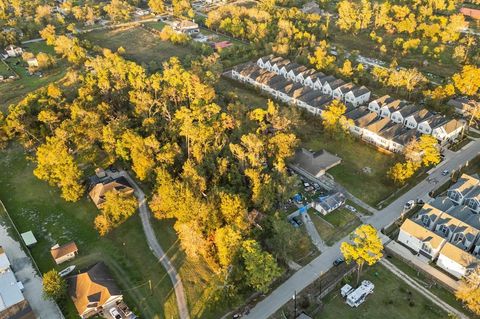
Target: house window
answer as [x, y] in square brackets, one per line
[426, 248]
[444, 230]
[459, 237]
[426, 220]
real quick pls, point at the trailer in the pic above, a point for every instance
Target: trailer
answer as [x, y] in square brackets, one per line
[357, 297]
[346, 290]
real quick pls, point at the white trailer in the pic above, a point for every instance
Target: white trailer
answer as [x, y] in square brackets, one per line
[346, 290]
[357, 297]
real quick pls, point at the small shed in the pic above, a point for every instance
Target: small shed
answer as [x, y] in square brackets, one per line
[28, 238]
[64, 253]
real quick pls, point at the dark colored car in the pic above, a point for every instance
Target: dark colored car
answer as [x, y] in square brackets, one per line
[338, 261]
[298, 220]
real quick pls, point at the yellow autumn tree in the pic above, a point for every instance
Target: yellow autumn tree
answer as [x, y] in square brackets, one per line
[334, 120]
[469, 290]
[365, 247]
[321, 59]
[346, 69]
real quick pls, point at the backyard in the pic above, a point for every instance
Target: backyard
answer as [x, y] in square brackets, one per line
[334, 225]
[35, 206]
[140, 45]
[14, 91]
[392, 299]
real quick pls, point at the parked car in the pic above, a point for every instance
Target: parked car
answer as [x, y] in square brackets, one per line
[445, 172]
[115, 314]
[409, 205]
[293, 222]
[298, 220]
[351, 208]
[338, 261]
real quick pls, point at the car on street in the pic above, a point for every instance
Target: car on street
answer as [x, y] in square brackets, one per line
[338, 261]
[409, 205]
[445, 172]
[298, 220]
[115, 314]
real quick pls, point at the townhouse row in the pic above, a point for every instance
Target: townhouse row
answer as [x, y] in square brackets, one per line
[386, 122]
[448, 229]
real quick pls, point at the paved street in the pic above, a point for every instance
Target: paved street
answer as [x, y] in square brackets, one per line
[309, 273]
[156, 248]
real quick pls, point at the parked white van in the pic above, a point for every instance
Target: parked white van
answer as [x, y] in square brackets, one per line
[345, 290]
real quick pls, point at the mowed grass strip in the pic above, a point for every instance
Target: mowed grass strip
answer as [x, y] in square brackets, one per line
[140, 45]
[36, 206]
[334, 226]
[392, 299]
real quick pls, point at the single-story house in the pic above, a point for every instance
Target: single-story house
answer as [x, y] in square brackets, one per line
[64, 253]
[421, 240]
[13, 51]
[121, 185]
[313, 165]
[326, 205]
[456, 261]
[93, 291]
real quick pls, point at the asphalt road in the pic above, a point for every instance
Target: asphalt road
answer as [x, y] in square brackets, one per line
[156, 248]
[309, 273]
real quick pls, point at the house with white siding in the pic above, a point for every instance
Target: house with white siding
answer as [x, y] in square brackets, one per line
[277, 66]
[417, 117]
[387, 109]
[459, 191]
[287, 68]
[339, 92]
[331, 85]
[473, 200]
[310, 79]
[377, 104]
[427, 216]
[420, 239]
[449, 131]
[285, 92]
[358, 96]
[456, 261]
[446, 225]
[393, 132]
[293, 73]
[302, 76]
[401, 114]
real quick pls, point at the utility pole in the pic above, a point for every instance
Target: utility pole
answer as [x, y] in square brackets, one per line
[150, 285]
[295, 304]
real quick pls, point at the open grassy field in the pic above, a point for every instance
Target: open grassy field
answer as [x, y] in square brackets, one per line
[335, 225]
[140, 45]
[392, 299]
[12, 92]
[5, 70]
[231, 89]
[35, 206]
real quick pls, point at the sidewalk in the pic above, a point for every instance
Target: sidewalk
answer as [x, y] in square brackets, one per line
[313, 233]
[404, 253]
[414, 284]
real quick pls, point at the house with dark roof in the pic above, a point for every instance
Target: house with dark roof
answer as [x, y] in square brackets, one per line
[330, 85]
[358, 96]
[93, 291]
[313, 165]
[308, 73]
[427, 216]
[119, 185]
[377, 104]
[326, 205]
[287, 68]
[277, 66]
[459, 191]
[442, 128]
[311, 80]
[339, 92]
[261, 61]
[401, 114]
[372, 130]
[472, 200]
[389, 108]
[417, 117]
[285, 92]
[463, 106]
[293, 73]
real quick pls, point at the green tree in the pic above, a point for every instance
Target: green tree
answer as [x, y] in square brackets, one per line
[261, 268]
[54, 286]
[57, 166]
[116, 209]
[366, 247]
[469, 290]
[321, 59]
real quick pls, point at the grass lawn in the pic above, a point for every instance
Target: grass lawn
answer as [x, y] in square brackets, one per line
[12, 92]
[140, 45]
[335, 225]
[5, 71]
[392, 299]
[371, 186]
[434, 288]
[33, 205]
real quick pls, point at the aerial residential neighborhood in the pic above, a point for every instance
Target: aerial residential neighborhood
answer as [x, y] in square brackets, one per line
[239, 159]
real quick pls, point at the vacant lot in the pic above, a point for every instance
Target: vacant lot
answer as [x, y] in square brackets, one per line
[229, 90]
[140, 45]
[392, 299]
[12, 92]
[363, 170]
[335, 225]
[35, 206]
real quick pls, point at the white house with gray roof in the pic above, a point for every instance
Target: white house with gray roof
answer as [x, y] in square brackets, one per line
[358, 96]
